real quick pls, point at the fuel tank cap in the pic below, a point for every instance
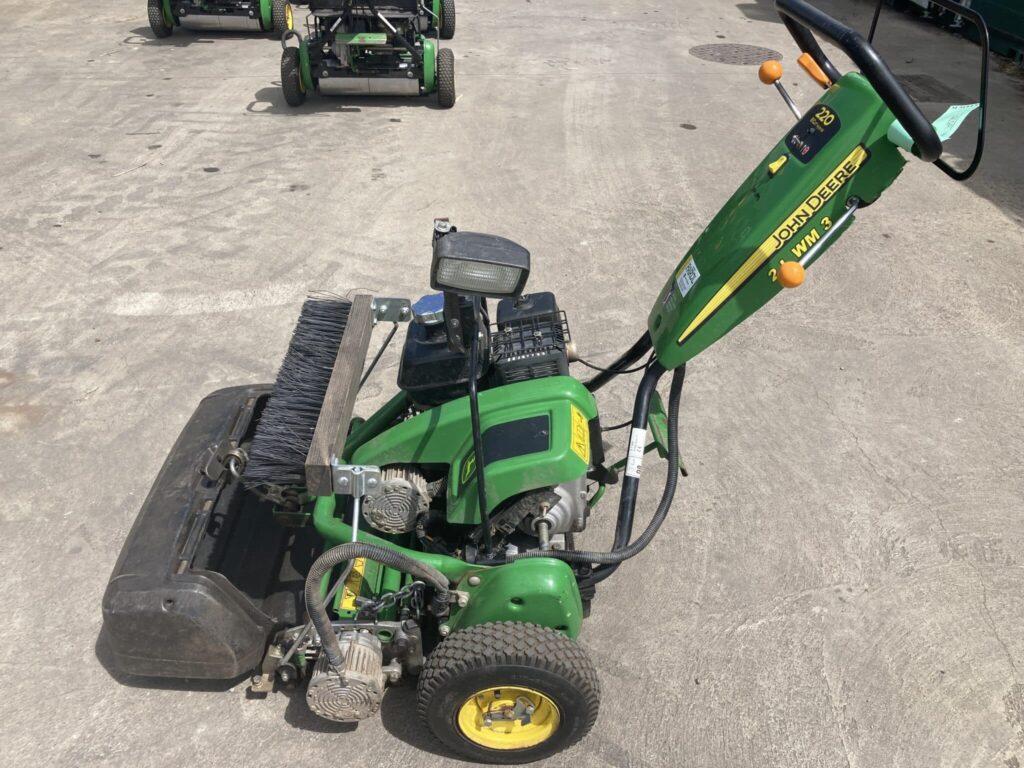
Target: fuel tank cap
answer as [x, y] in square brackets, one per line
[429, 310]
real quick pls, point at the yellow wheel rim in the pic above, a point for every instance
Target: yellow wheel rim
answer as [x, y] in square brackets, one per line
[288, 16]
[501, 718]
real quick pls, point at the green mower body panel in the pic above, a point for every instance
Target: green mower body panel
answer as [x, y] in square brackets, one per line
[429, 65]
[362, 38]
[838, 150]
[536, 591]
[304, 71]
[535, 435]
[266, 14]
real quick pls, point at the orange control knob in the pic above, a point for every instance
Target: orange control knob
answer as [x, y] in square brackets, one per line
[810, 66]
[770, 72]
[791, 274]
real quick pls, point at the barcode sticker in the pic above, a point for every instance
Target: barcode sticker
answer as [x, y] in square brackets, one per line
[635, 454]
[687, 277]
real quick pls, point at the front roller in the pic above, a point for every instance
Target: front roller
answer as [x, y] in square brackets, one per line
[508, 692]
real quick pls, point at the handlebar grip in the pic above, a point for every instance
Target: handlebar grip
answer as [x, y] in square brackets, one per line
[798, 15]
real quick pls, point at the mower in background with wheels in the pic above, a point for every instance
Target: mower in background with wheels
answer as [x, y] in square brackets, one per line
[438, 538]
[220, 15]
[362, 48]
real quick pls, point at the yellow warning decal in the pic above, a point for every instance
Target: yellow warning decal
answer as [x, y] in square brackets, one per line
[783, 234]
[580, 443]
[353, 584]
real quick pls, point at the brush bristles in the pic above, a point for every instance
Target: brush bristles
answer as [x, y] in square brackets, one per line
[285, 430]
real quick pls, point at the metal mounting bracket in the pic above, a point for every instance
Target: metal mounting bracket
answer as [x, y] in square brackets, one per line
[392, 310]
[356, 480]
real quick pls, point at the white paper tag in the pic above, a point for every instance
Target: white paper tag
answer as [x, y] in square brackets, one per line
[687, 277]
[945, 126]
[635, 453]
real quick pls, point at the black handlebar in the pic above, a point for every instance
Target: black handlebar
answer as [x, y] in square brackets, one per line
[798, 15]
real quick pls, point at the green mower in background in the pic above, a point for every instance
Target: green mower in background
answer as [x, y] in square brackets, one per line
[363, 48]
[438, 537]
[220, 15]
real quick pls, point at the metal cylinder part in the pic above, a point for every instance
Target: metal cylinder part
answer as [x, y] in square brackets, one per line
[369, 86]
[353, 691]
[222, 22]
[569, 514]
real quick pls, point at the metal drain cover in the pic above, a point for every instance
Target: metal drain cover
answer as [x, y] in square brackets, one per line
[925, 88]
[734, 53]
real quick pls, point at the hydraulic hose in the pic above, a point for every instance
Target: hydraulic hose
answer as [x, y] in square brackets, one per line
[619, 554]
[343, 553]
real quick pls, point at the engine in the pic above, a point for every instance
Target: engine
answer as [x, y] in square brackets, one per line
[529, 340]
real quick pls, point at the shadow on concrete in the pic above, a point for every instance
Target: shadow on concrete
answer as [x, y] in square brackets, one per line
[925, 50]
[760, 10]
[182, 38]
[298, 715]
[106, 660]
[271, 100]
[398, 715]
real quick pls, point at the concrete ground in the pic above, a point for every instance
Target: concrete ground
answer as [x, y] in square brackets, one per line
[840, 582]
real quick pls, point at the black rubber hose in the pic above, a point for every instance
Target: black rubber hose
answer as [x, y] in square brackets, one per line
[631, 484]
[343, 553]
[618, 555]
[474, 420]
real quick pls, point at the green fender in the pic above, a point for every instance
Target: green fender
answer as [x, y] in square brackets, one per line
[169, 17]
[437, 12]
[429, 64]
[307, 77]
[266, 15]
[537, 590]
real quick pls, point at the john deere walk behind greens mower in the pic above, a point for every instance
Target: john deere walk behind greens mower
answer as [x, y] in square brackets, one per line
[224, 15]
[439, 537]
[363, 48]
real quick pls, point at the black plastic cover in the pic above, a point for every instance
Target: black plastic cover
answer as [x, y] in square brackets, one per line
[205, 575]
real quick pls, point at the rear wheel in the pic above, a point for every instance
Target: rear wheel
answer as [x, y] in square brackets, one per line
[447, 29]
[291, 78]
[157, 19]
[446, 78]
[281, 10]
[508, 692]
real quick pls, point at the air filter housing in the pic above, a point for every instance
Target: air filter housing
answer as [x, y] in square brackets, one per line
[529, 340]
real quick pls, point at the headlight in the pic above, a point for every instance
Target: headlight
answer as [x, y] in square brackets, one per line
[473, 264]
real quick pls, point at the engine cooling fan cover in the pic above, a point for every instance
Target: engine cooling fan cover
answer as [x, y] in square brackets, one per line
[404, 496]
